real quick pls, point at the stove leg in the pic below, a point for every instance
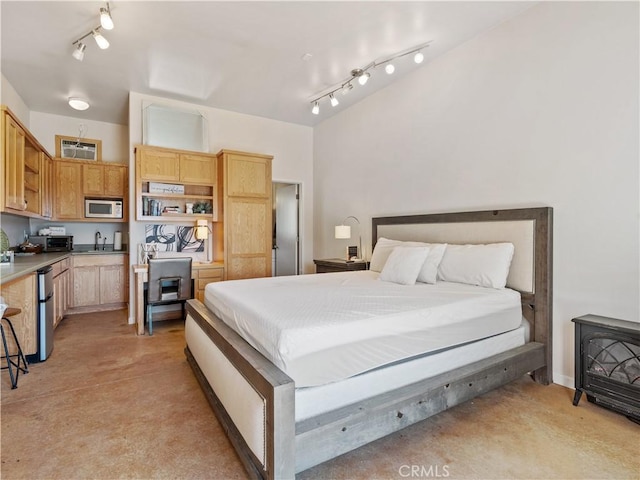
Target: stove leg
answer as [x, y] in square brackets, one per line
[576, 397]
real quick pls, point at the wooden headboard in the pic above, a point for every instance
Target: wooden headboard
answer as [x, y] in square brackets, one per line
[531, 273]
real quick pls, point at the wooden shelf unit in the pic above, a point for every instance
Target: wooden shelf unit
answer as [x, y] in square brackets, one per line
[194, 171]
[23, 164]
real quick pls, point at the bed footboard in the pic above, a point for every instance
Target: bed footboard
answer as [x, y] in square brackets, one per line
[326, 436]
[253, 400]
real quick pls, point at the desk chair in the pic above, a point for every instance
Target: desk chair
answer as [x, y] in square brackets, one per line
[169, 282]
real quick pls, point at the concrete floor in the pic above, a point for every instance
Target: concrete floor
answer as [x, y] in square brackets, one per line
[109, 404]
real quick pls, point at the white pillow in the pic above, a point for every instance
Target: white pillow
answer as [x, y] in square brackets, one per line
[404, 264]
[429, 271]
[381, 252]
[483, 265]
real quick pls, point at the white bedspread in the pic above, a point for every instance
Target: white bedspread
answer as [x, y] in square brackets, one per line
[327, 327]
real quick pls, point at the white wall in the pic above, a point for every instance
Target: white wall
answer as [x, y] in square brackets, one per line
[291, 146]
[10, 98]
[542, 110]
[115, 138]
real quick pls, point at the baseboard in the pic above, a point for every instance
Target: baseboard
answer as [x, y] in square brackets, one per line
[563, 380]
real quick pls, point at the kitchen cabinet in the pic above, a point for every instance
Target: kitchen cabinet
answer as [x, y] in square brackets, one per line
[14, 141]
[116, 181]
[69, 202]
[102, 180]
[100, 282]
[21, 189]
[46, 186]
[21, 293]
[184, 178]
[244, 240]
[61, 289]
[77, 179]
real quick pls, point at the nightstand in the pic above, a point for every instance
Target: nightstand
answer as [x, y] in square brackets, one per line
[339, 265]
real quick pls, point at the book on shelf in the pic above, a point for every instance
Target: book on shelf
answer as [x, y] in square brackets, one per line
[172, 209]
[151, 207]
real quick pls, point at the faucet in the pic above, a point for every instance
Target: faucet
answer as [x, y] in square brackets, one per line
[104, 242]
[98, 237]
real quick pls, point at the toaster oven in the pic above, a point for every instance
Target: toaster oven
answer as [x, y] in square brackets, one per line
[53, 243]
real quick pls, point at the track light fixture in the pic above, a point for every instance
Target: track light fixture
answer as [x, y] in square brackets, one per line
[78, 53]
[105, 18]
[106, 23]
[102, 42]
[362, 75]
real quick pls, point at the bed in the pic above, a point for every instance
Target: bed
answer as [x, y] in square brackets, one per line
[283, 423]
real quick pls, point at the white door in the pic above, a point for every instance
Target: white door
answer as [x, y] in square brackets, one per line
[286, 228]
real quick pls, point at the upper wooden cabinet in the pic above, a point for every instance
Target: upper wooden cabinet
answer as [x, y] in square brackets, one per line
[190, 182]
[158, 164]
[22, 157]
[116, 180]
[69, 201]
[169, 165]
[104, 180]
[76, 180]
[246, 174]
[46, 186]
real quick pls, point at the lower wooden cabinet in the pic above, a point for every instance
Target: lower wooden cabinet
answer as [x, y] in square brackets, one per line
[61, 289]
[100, 282]
[21, 293]
[203, 275]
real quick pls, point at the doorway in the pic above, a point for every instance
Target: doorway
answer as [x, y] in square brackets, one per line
[286, 231]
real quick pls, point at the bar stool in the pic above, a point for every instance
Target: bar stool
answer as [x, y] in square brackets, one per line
[11, 363]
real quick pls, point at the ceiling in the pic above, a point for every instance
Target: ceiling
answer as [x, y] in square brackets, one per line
[245, 57]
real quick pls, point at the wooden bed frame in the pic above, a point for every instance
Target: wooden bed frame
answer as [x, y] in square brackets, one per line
[285, 447]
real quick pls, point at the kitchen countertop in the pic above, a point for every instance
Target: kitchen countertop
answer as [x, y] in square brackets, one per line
[24, 265]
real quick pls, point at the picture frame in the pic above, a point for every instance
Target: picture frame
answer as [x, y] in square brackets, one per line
[78, 148]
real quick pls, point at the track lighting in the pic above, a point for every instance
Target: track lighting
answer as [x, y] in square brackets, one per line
[106, 23]
[362, 75]
[78, 53]
[105, 18]
[102, 42]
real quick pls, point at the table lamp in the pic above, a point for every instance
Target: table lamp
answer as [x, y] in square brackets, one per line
[343, 231]
[202, 233]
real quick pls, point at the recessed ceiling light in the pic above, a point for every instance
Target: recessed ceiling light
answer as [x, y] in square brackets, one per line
[78, 103]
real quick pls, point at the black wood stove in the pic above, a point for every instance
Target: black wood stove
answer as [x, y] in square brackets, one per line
[608, 363]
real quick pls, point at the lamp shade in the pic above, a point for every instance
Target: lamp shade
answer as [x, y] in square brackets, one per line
[343, 231]
[202, 230]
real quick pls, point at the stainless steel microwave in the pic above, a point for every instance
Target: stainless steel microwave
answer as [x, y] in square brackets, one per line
[102, 208]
